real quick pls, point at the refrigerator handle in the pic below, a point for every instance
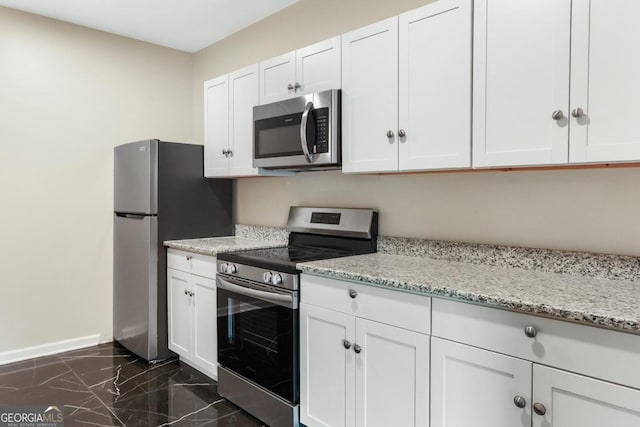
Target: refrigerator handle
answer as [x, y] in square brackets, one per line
[132, 216]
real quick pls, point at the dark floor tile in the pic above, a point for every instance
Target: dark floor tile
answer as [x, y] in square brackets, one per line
[133, 380]
[28, 364]
[90, 412]
[103, 363]
[235, 419]
[188, 404]
[38, 375]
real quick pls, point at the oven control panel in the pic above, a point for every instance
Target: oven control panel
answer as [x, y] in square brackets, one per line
[275, 278]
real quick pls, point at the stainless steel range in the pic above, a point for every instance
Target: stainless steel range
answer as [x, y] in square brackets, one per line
[258, 318]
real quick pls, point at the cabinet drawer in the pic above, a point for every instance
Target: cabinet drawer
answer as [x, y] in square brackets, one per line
[600, 353]
[198, 264]
[203, 265]
[395, 308]
[178, 260]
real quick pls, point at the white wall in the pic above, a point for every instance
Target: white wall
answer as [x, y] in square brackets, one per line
[584, 210]
[68, 95]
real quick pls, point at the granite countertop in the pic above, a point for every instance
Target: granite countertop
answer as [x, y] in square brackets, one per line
[595, 301]
[215, 245]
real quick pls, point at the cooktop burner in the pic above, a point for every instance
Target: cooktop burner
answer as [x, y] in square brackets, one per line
[282, 258]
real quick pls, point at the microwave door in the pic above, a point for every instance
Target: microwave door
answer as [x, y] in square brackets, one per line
[308, 132]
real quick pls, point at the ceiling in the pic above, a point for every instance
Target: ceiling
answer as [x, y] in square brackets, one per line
[188, 25]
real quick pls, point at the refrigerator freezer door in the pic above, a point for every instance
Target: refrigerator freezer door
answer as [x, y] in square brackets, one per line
[135, 286]
[136, 177]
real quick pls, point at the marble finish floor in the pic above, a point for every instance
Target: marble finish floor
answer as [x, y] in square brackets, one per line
[106, 385]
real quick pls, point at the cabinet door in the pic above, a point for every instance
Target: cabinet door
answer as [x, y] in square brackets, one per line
[520, 77]
[216, 126]
[205, 337]
[435, 86]
[243, 85]
[572, 400]
[370, 98]
[277, 76]
[318, 67]
[179, 312]
[392, 376]
[474, 387]
[605, 66]
[327, 377]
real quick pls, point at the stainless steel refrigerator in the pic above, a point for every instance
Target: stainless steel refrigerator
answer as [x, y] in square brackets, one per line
[159, 194]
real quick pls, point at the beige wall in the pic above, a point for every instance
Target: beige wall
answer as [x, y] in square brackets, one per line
[67, 96]
[584, 210]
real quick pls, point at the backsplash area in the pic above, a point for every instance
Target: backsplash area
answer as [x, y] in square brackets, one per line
[605, 266]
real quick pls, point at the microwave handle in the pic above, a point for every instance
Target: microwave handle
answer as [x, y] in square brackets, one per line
[303, 132]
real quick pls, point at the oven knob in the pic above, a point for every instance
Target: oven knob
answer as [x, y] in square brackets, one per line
[266, 277]
[223, 268]
[277, 279]
[231, 269]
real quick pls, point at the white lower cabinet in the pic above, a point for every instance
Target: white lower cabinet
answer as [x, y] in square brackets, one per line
[475, 387]
[510, 386]
[356, 371]
[192, 310]
[572, 400]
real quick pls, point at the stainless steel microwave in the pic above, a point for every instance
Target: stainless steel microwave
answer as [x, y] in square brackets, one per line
[298, 133]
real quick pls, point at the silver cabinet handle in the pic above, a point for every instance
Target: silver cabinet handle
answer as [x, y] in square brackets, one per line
[557, 115]
[229, 153]
[290, 87]
[346, 344]
[303, 132]
[530, 331]
[520, 401]
[189, 257]
[353, 293]
[357, 348]
[191, 294]
[224, 152]
[577, 112]
[296, 86]
[539, 409]
[390, 134]
[186, 292]
[402, 133]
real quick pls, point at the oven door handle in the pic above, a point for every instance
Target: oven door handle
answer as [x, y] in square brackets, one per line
[272, 297]
[303, 132]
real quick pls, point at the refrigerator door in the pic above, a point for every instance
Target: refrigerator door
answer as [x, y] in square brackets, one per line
[136, 177]
[135, 288]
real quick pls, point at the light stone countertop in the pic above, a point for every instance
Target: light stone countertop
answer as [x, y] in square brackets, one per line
[595, 301]
[215, 245]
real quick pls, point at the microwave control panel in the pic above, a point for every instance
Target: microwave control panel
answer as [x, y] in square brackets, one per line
[322, 130]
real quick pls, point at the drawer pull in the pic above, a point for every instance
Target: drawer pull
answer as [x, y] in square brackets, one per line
[530, 331]
[357, 348]
[539, 409]
[346, 344]
[353, 293]
[520, 401]
[189, 257]
[186, 292]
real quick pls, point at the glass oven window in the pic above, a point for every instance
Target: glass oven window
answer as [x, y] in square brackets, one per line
[259, 340]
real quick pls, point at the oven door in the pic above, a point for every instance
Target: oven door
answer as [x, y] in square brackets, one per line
[258, 334]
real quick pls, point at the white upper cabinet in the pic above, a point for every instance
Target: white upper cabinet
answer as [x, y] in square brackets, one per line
[435, 86]
[311, 69]
[243, 96]
[370, 98]
[521, 82]
[555, 81]
[216, 126]
[406, 94]
[228, 123]
[605, 93]
[318, 67]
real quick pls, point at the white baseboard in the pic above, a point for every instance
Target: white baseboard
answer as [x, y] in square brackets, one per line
[48, 349]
